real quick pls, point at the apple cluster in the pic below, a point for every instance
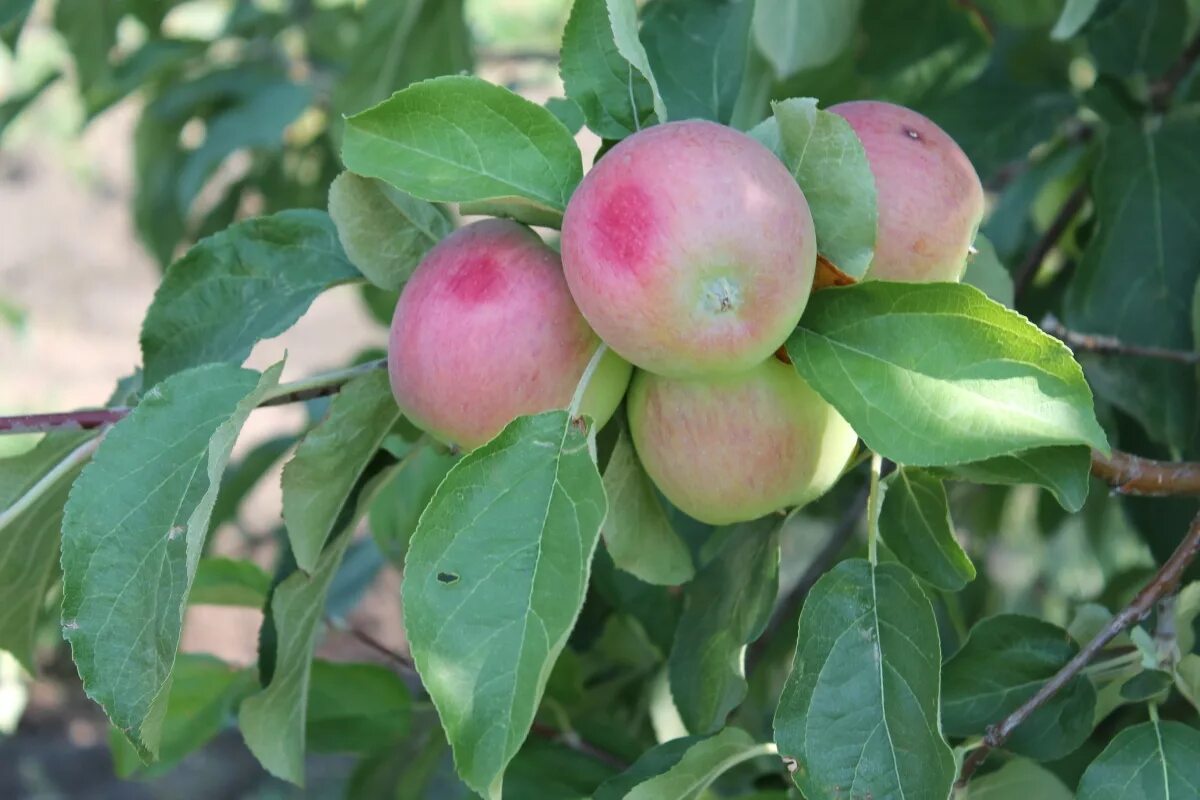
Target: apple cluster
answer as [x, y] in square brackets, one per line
[689, 250]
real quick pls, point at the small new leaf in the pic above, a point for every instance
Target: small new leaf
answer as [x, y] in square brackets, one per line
[460, 139]
[915, 523]
[859, 712]
[133, 530]
[936, 373]
[495, 577]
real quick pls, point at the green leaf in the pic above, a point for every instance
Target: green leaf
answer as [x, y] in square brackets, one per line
[915, 523]
[1063, 471]
[1146, 762]
[1003, 663]
[1075, 15]
[1187, 609]
[230, 582]
[637, 532]
[395, 512]
[725, 608]
[936, 373]
[624, 17]
[568, 112]
[385, 232]
[830, 164]
[987, 274]
[796, 35]
[90, 31]
[356, 708]
[29, 540]
[859, 712]
[247, 283]
[330, 460]
[697, 50]
[273, 721]
[133, 530]
[1146, 684]
[495, 578]
[552, 771]
[615, 98]
[460, 139]
[1138, 36]
[1147, 214]
[682, 769]
[200, 704]
[13, 14]
[1187, 678]
[1020, 779]
[13, 105]
[242, 476]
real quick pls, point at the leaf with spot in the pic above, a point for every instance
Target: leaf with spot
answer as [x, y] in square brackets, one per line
[460, 139]
[1005, 661]
[132, 534]
[29, 538]
[936, 373]
[915, 523]
[495, 577]
[697, 50]
[725, 608]
[247, 283]
[682, 769]
[1147, 213]
[638, 534]
[859, 711]
[829, 162]
[1152, 761]
[330, 460]
[385, 232]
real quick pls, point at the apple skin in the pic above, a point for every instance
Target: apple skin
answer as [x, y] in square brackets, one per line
[929, 197]
[737, 447]
[690, 249]
[486, 331]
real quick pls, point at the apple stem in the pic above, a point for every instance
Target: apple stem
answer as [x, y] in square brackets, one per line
[588, 372]
[874, 500]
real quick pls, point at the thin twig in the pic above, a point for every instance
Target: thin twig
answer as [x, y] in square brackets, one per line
[1165, 581]
[1130, 474]
[1163, 90]
[1110, 345]
[1037, 254]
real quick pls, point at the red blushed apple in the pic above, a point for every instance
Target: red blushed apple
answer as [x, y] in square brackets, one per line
[486, 331]
[929, 198]
[737, 447]
[690, 249]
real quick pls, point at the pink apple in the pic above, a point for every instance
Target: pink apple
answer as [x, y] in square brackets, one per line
[486, 331]
[690, 249]
[929, 197]
[737, 447]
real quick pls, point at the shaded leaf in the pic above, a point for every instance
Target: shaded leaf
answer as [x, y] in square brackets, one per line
[1149, 761]
[682, 769]
[495, 578]
[247, 283]
[460, 139]
[637, 532]
[1003, 663]
[133, 530]
[915, 522]
[829, 162]
[987, 274]
[385, 232]
[1020, 779]
[936, 373]
[1145, 685]
[1064, 471]
[859, 711]
[230, 582]
[1138, 36]
[395, 512]
[355, 708]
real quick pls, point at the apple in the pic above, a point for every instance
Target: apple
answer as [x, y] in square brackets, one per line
[485, 331]
[732, 448]
[929, 197]
[690, 249]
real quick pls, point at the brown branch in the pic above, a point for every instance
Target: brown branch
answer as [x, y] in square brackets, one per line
[1110, 345]
[1058, 226]
[1130, 474]
[1165, 581]
[1162, 91]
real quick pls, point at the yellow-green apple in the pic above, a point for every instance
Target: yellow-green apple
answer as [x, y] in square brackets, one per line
[690, 249]
[485, 331]
[928, 195]
[732, 448]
